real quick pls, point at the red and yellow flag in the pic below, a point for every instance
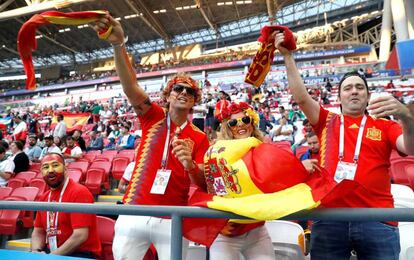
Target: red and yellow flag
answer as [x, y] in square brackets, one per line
[73, 121]
[262, 181]
[261, 63]
[26, 39]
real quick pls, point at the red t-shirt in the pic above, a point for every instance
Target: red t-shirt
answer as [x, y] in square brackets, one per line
[379, 138]
[149, 156]
[67, 222]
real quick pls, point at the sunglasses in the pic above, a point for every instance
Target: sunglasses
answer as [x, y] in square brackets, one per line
[245, 120]
[188, 90]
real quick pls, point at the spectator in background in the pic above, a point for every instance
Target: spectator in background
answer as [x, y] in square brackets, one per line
[284, 132]
[199, 114]
[60, 128]
[310, 159]
[72, 151]
[126, 140]
[295, 114]
[96, 108]
[33, 151]
[96, 142]
[111, 145]
[307, 128]
[50, 147]
[105, 114]
[6, 168]
[390, 85]
[20, 130]
[77, 136]
[58, 142]
[115, 133]
[64, 233]
[20, 159]
[41, 140]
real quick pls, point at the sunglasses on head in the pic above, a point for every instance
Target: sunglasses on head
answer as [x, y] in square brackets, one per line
[188, 90]
[245, 120]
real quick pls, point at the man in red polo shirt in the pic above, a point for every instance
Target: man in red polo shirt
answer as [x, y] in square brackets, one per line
[171, 149]
[63, 233]
[355, 146]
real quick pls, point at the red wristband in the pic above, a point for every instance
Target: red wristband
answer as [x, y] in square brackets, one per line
[194, 170]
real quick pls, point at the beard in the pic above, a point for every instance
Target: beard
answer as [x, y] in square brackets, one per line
[56, 182]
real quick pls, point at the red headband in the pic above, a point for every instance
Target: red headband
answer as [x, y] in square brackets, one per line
[186, 80]
[231, 109]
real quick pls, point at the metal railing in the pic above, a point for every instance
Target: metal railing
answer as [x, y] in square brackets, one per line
[178, 212]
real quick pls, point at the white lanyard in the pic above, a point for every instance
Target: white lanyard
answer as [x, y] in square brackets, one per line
[359, 139]
[60, 200]
[167, 142]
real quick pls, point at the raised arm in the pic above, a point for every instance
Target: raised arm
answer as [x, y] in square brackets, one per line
[309, 106]
[136, 95]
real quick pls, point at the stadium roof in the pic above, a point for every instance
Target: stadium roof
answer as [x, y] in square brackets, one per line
[153, 25]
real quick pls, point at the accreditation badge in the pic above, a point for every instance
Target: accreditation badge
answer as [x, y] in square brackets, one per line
[345, 170]
[161, 181]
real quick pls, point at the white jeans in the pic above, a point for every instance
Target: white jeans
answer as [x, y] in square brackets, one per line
[255, 244]
[134, 235]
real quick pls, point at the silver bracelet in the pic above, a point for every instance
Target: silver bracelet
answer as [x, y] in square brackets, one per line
[120, 44]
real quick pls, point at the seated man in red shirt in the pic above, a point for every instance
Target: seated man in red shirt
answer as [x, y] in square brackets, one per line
[64, 233]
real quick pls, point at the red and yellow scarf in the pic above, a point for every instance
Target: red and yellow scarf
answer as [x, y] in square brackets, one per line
[26, 39]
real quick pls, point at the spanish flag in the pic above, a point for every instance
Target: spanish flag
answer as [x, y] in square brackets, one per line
[262, 182]
[263, 59]
[73, 121]
[26, 39]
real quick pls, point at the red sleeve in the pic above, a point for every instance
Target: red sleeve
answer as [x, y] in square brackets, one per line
[323, 114]
[201, 150]
[80, 220]
[38, 223]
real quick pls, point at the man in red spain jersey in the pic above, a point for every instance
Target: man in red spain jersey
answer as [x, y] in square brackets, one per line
[64, 233]
[355, 146]
[169, 158]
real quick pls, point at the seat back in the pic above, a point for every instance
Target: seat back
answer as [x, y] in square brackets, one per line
[27, 176]
[286, 232]
[8, 219]
[35, 167]
[96, 152]
[398, 170]
[83, 166]
[130, 154]
[94, 180]
[301, 150]
[110, 152]
[30, 193]
[16, 183]
[75, 174]
[409, 169]
[5, 192]
[106, 166]
[40, 184]
[118, 167]
[89, 157]
[106, 231]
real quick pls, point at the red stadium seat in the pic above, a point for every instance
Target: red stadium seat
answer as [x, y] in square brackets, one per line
[130, 154]
[34, 167]
[398, 170]
[112, 152]
[82, 166]
[40, 184]
[301, 150]
[39, 175]
[284, 145]
[118, 167]
[75, 174]
[96, 152]
[9, 219]
[29, 194]
[106, 230]
[89, 156]
[26, 176]
[5, 192]
[105, 157]
[16, 183]
[94, 180]
[106, 166]
[409, 169]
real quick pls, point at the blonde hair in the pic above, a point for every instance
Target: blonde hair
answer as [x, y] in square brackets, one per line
[226, 134]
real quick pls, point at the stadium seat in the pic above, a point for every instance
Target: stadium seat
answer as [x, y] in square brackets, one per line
[288, 238]
[39, 175]
[130, 154]
[9, 219]
[89, 156]
[34, 167]
[106, 166]
[119, 165]
[106, 230]
[284, 145]
[28, 194]
[112, 152]
[16, 183]
[40, 184]
[94, 180]
[398, 173]
[409, 169]
[27, 176]
[301, 150]
[5, 192]
[82, 166]
[96, 152]
[75, 174]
